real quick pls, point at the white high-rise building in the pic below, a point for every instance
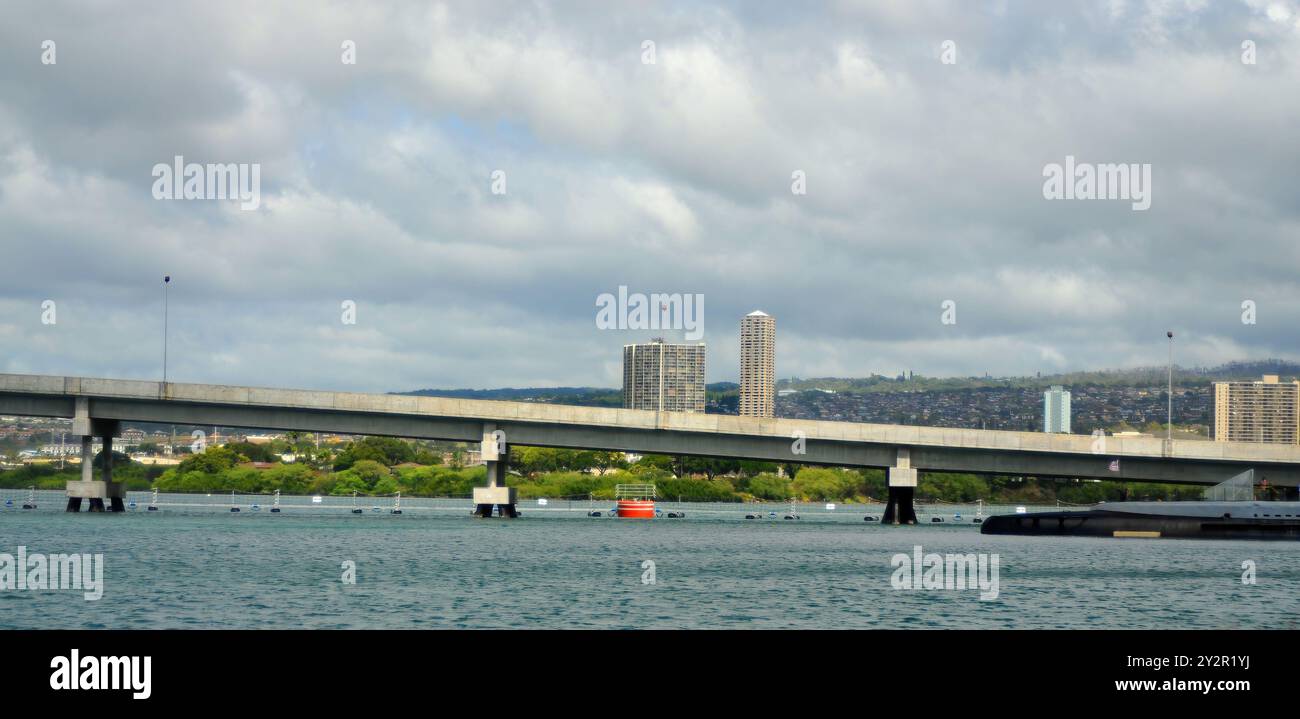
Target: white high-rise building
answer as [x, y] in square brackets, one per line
[662, 376]
[1056, 410]
[1262, 411]
[757, 365]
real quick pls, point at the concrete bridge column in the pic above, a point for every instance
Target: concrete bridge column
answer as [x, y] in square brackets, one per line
[81, 427]
[88, 487]
[902, 489]
[115, 491]
[87, 472]
[496, 456]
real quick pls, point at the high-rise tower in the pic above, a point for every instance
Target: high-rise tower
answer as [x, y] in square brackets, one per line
[1056, 409]
[757, 360]
[662, 376]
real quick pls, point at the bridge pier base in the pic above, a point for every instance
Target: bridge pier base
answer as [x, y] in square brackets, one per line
[89, 488]
[496, 457]
[902, 489]
[900, 509]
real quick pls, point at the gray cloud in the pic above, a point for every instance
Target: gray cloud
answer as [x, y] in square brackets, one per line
[924, 184]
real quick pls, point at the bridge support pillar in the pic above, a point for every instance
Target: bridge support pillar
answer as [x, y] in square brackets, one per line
[496, 457]
[87, 470]
[902, 489]
[89, 488]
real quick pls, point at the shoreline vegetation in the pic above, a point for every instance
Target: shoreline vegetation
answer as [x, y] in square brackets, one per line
[380, 466]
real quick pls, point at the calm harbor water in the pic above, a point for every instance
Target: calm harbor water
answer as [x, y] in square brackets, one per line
[199, 566]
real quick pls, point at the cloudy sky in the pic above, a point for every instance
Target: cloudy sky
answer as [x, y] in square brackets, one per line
[664, 168]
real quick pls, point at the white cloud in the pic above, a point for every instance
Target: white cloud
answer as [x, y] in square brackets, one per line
[924, 184]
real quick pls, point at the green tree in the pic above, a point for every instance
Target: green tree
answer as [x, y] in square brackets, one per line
[387, 451]
[951, 487]
[288, 478]
[770, 486]
[708, 466]
[370, 472]
[819, 483]
[254, 452]
[346, 483]
[214, 460]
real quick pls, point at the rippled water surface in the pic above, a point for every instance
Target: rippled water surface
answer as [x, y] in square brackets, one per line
[205, 569]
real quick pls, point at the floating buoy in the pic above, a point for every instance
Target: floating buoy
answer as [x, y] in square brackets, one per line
[636, 508]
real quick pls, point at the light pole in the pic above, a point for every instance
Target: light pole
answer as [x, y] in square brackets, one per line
[1169, 394]
[167, 280]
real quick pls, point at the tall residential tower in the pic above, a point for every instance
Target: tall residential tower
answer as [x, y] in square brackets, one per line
[1056, 409]
[658, 375]
[757, 359]
[1261, 411]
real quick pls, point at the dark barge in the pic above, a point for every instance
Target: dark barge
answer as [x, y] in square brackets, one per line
[1179, 520]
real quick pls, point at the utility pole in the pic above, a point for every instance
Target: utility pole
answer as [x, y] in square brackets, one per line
[1169, 395]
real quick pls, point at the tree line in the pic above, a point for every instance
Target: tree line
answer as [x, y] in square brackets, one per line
[383, 466]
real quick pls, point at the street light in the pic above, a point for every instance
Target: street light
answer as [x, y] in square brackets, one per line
[167, 280]
[1169, 394]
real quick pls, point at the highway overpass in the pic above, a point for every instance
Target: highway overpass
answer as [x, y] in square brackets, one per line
[99, 406]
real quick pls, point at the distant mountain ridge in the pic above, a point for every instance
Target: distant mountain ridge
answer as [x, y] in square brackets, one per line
[507, 392]
[1135, 377]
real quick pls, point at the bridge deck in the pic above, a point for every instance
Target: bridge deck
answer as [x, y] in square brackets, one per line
[608, 428]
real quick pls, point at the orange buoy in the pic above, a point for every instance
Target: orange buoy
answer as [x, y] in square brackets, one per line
[636, 508]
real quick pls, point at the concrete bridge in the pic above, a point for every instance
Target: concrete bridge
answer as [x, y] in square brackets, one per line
[99, 406]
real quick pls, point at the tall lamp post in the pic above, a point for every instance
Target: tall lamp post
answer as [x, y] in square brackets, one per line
[167, 280]
[1169, 394]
